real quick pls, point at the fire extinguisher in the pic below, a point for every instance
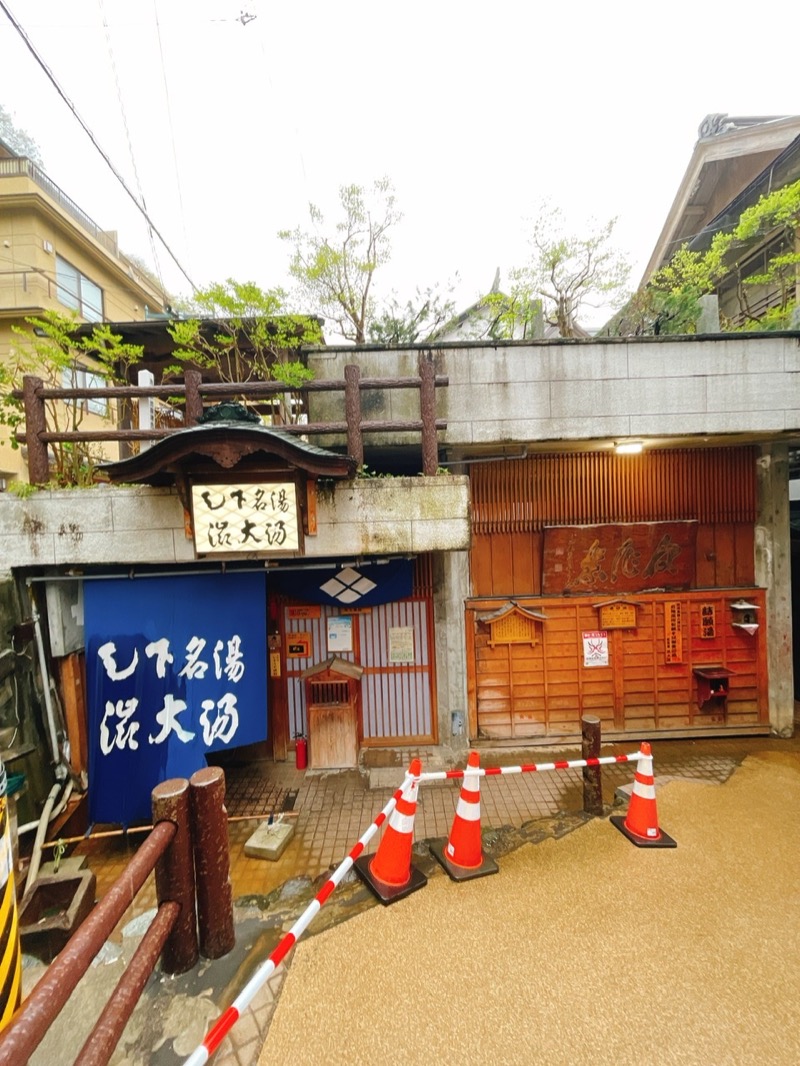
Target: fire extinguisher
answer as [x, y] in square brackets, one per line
[300, 752]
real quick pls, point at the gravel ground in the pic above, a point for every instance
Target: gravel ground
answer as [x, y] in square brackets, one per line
[581, 950]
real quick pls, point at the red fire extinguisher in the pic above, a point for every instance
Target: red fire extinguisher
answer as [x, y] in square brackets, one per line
[300, 752]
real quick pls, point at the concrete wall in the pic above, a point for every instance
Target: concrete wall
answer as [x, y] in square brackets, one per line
[108, 525]
[581, 391]
[774, 573]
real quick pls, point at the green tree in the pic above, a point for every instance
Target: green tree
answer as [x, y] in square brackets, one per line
[776, 219]
[334, 271]
[244, 333]
[669, 302]
[51, 350]
[17, 139]
[568, 271]
[415, 321]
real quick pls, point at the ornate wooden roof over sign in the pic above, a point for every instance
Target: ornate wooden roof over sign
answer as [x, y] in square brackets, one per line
[512, 624]
[244, 447]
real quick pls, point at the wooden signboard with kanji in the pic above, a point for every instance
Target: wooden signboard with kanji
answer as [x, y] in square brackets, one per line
[618, 558]
[617, 615]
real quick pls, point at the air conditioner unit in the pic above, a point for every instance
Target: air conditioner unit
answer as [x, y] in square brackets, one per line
[48, 247]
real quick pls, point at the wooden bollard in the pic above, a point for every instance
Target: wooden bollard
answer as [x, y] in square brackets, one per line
[175, 875]
[212, 863]
[592, 775]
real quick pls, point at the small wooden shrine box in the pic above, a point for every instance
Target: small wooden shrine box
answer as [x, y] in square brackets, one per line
[713, 683]
[332, 707]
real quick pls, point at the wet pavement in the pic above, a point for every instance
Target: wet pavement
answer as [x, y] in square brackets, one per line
[582, 950]
[329, 812]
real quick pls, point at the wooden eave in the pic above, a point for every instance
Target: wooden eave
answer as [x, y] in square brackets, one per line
[335, 665]
[226, 446]
[501, 612]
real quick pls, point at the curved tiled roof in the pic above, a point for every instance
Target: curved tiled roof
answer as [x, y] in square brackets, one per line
[226, 445]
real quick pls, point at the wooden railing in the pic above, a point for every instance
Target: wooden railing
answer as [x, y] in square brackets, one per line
[194, 393]
[194, 918]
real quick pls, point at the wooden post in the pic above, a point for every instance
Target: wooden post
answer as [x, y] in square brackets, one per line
[72, 674]
[44, 1003]
[175, 874]
[35, 423]
[427, 406]
[352, 407]
[311, 508]
[212, 862]
[592, 775]
[194, 401]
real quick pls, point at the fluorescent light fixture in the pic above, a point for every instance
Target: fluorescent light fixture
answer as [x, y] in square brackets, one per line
[628, 447]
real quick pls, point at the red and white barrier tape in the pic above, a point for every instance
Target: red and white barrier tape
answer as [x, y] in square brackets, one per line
[226, 1021]
[493, 771]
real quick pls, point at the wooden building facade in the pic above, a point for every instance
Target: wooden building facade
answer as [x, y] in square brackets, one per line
[393, 646]
[620, 586]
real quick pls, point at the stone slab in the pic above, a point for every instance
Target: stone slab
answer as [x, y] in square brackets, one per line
[269, 841]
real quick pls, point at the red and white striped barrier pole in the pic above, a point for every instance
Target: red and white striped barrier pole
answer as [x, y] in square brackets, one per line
[527, 768]
[228, 1019]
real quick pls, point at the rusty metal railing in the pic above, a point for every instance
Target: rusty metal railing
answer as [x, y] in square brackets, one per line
[189, 822]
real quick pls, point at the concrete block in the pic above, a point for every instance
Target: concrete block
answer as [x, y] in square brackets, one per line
[269, 841]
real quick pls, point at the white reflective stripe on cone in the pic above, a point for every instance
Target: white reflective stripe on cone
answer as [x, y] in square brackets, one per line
[402, 823]
[647, 792]
[469, 812]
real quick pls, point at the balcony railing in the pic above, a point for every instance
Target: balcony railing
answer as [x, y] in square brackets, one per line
[25, 288]
[26, 168]
[13, 168]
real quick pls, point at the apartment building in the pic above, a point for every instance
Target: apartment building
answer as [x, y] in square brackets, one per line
[53, 256]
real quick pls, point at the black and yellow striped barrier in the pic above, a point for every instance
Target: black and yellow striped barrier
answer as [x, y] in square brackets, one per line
[10, 952]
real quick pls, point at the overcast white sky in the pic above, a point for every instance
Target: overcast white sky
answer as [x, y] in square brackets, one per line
[475, 111]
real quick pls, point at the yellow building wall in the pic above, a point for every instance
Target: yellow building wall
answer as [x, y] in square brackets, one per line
[35, 228]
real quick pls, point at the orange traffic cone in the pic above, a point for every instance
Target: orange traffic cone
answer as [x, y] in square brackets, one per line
[462, 856]
[389, 872]
[640, 825]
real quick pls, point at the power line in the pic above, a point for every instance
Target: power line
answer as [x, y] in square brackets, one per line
[53, 80]
[171, 125]
[128, 137]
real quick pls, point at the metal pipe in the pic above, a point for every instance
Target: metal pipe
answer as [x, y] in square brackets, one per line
[36, 854]
[218, 568]
[50, 714]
